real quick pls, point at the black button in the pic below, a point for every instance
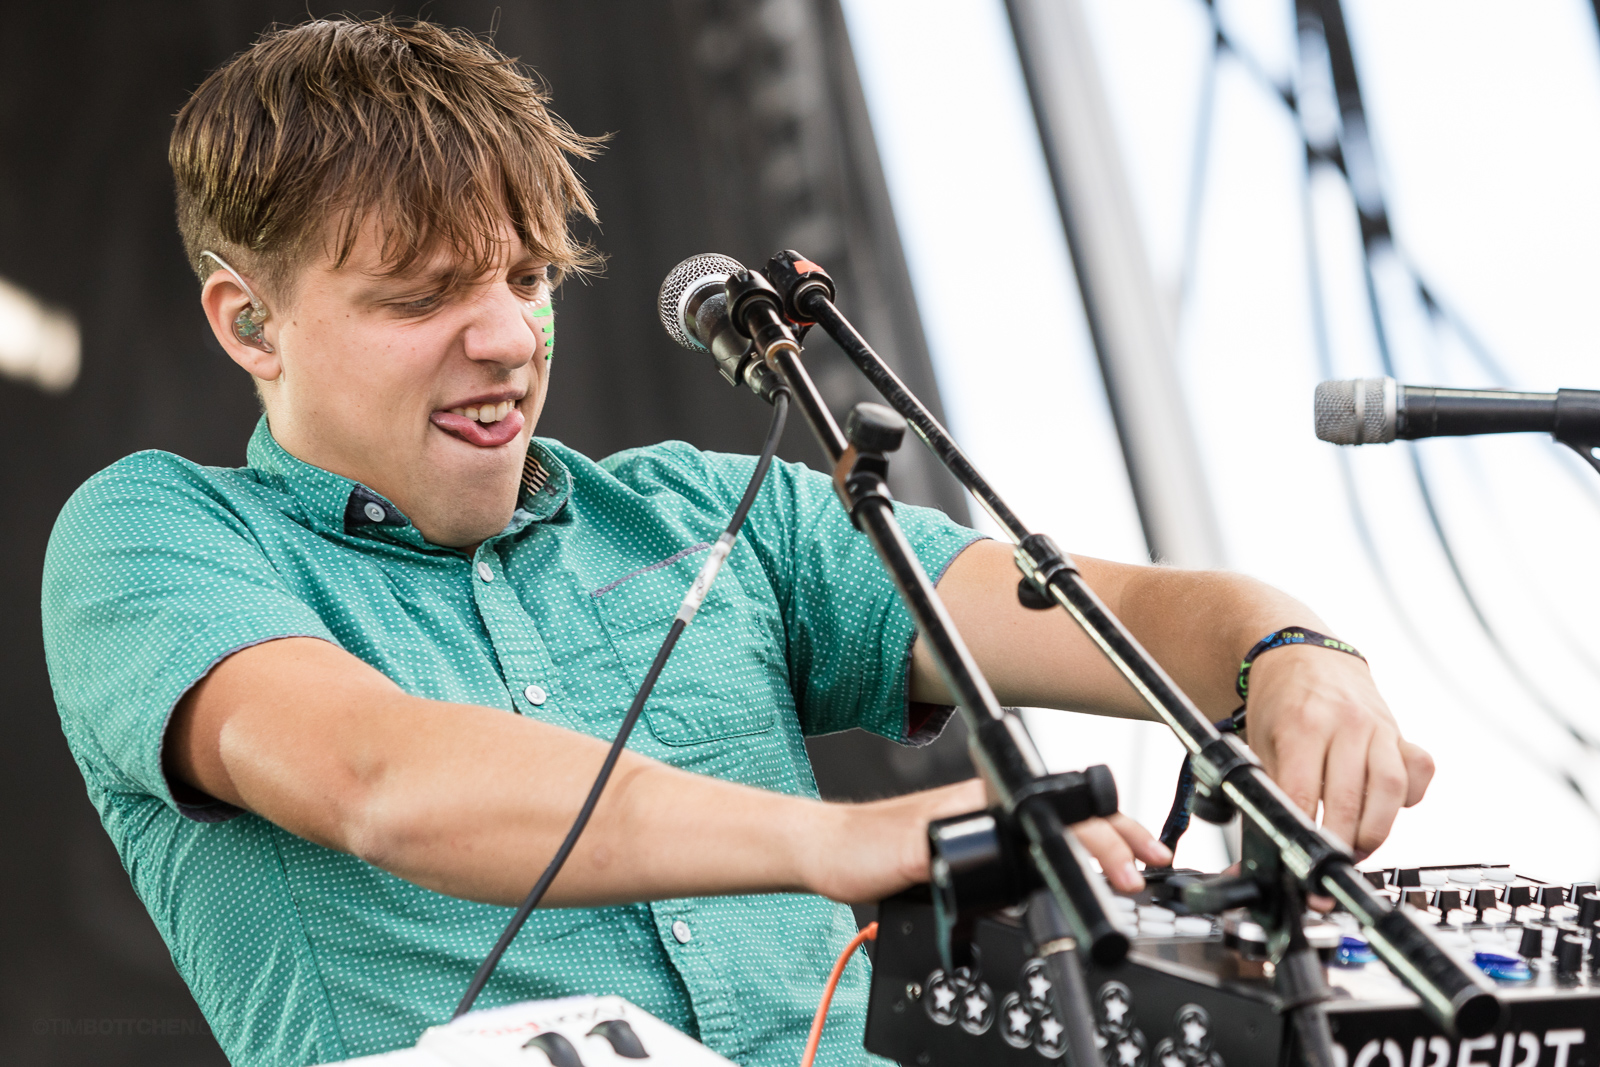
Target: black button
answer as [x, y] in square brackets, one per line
[624, 1042]
[557, 1048]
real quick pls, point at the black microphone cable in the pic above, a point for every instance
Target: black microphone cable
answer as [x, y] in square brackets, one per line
[686, 612]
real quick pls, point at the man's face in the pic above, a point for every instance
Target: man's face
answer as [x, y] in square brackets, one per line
[424, 386]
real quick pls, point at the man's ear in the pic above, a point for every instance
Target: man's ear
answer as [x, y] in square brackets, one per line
[224, 301]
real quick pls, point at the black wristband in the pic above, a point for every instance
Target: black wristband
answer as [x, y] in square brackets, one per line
[1289, 635]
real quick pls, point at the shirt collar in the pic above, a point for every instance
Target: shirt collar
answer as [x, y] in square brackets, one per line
[333, 503]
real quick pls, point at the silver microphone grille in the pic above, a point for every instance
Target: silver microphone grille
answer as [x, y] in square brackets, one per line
[1356, 412]
[682, 282]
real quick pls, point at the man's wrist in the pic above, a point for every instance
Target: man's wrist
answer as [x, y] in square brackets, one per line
[817, 834]
[1288, 636]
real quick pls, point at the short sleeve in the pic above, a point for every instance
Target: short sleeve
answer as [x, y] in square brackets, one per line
[850, 634]
[849, 637]
[150, 580]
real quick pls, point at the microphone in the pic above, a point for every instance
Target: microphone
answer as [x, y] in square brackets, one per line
[693, 305]
[1367, 411]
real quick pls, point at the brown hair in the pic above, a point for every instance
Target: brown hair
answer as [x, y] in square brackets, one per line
[320, 126]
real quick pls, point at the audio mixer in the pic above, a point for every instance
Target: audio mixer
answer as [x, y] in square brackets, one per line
[1197, 991]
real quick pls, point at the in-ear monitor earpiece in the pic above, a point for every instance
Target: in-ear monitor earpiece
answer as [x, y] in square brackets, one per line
[248, 326]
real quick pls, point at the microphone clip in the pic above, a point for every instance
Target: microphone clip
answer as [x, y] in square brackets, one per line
[797, 279]
[756, 311]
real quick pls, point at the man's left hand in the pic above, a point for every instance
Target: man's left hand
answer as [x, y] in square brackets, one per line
[1324, 734]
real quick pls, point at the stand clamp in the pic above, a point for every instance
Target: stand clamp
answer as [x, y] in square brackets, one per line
[1577, 419]
[859, 476]
[1040, 560]
[977, 862]
[1216, 760]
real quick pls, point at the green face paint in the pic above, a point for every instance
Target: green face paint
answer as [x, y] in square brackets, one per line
[545, 320]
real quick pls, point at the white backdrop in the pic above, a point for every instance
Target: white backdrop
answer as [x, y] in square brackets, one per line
[1487, 124]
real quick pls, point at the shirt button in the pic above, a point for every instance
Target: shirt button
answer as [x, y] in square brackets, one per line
[535, 694]
[375, 512]
[485, 572]
[680, 930]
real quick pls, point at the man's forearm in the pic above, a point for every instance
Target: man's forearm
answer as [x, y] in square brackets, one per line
[1196, 624]
[473, 801]
[483, 821]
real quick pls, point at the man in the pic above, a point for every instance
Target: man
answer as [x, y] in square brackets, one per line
[336, 708]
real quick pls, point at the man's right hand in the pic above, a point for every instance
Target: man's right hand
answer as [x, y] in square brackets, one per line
[865, 852]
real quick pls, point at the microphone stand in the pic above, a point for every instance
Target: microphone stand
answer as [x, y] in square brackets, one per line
[1031, 801]
[1285, 853]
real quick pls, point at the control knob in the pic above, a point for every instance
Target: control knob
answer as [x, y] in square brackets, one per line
[1517, 896]
[1569, 955]
[1446, 900]
[1484, 898]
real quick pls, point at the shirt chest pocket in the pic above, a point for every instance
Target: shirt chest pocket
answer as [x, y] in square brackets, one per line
[727, 676]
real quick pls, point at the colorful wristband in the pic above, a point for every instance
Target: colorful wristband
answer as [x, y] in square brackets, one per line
[1178, 818]
[1289, 635]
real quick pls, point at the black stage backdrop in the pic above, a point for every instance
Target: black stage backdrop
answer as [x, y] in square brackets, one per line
[739, 127]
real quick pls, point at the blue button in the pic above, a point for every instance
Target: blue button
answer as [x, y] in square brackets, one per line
[1505, 968]
[1354, 951]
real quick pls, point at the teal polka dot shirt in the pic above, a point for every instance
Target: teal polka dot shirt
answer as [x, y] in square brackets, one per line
[159, 568]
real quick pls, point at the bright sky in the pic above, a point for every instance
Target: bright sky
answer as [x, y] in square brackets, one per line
[1487, 123]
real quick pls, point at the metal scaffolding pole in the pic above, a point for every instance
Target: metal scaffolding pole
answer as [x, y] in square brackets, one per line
[1127, 322]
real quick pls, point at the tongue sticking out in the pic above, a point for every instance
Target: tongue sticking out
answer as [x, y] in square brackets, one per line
[484, 435]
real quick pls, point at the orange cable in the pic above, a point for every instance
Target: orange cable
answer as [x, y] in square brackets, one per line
[870, 933]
